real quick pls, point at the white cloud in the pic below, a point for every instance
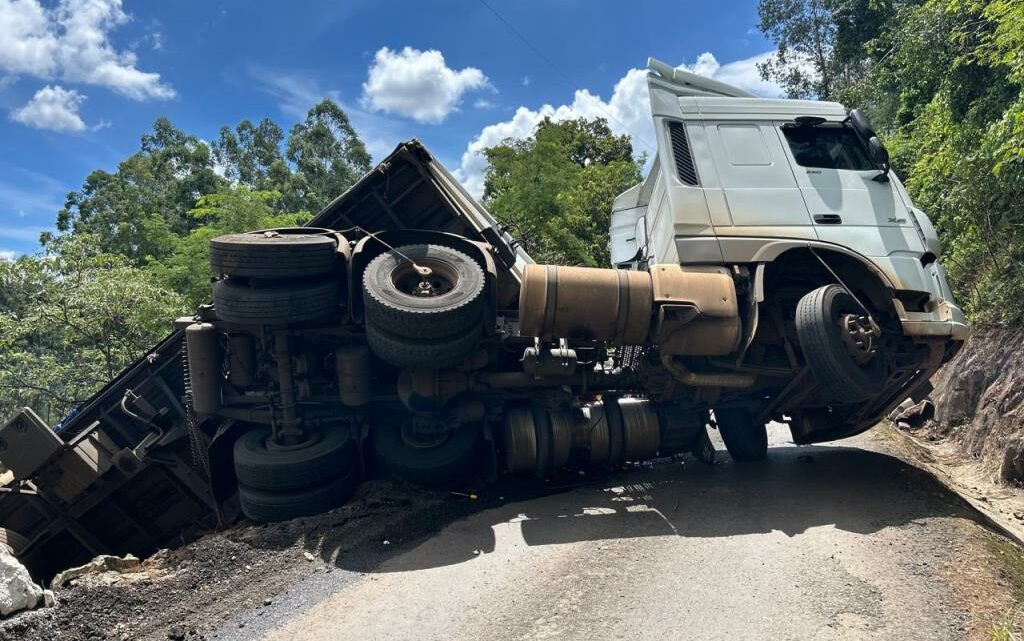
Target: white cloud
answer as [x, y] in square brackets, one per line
[53, 108]
[526, 81]
[627, 112]
[297, 93]
[8, 255]
[418, 84]
[70, 42]
[483, 103]
[739, 73]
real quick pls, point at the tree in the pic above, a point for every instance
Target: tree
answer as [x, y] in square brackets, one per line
[821, 43]
[80, 318]
[186, 269]
[251, 154]
[328, 157]
[555, 188]
[131, 212]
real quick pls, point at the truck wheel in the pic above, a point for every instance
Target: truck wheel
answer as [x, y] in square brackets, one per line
[277, 304]
[745, 439]
[262, 466]
[446, 303]
[845, 372]
[437, 460]
[263, 505]
[414, 353]
[275, 253]
[12, 542]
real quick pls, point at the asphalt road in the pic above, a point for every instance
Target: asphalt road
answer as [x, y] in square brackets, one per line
[833, 542]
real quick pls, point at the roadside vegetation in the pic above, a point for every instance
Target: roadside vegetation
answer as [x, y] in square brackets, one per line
[941, 79]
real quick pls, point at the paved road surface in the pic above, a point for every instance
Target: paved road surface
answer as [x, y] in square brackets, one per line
[832, 542]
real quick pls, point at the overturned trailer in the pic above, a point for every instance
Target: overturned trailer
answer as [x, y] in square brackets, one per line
[403, 332]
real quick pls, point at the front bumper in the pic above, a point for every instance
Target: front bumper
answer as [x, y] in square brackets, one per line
[941, 317]
[946, 320]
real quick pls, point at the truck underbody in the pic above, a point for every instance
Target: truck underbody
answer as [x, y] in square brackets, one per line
[540, 367]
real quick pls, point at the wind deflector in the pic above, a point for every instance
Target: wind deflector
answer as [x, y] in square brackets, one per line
[685, 169]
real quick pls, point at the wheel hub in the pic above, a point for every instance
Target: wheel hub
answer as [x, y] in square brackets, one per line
[859, 337]
[421, 432]
[424, 279]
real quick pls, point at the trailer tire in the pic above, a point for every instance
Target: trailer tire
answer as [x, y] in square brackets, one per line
[817, 327]
[276, 304]
[745, 439]
[275, 253]
[447, 464]
[263, 505]
[262, 468]
[388, 303]
[12, 542]
[413, 353]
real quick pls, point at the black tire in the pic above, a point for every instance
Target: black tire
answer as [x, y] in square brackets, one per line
[275, 253]
[389, 306]
[839, 377]
[745, 439]
[413, 353]
[263, 505]
[262, 468]
[277, 304]
[13, 542]
[452, 462]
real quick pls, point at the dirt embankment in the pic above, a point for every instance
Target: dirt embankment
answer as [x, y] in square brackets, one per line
[979, 399]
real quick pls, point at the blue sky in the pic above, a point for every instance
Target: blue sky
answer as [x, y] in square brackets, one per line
[81, 80]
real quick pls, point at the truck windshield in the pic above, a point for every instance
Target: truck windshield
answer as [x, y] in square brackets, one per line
[827, 147]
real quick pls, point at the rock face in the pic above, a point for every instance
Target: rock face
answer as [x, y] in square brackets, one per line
[979, 399]
[17, 591]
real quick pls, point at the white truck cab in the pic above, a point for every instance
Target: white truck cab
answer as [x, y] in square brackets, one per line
[741, 180]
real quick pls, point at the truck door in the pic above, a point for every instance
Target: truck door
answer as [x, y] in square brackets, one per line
[756, 185]
[846, 204]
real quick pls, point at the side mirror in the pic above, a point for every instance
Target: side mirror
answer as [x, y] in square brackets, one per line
[879, 154]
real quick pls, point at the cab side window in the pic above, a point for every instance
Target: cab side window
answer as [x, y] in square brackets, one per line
[826, 147]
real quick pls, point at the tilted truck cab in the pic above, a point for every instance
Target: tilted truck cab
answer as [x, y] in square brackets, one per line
[770, 267]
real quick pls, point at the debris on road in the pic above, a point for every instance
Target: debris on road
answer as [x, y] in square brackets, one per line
[100, 565]
[17, 590]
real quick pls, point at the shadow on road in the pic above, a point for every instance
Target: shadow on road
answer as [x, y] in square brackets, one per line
[795, 489]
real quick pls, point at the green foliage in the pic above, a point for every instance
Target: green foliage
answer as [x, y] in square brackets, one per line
[328, 157]
[555, 188]
[186, 269]
[942, 81]
[131, 250]
[77, 318]
[155, 186]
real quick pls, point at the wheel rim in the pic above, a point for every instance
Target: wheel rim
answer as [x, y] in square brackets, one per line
[423, 434]
[858, 337]
[442, 278]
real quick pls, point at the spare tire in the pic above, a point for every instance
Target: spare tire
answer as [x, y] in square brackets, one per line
[330, 453]
[414, 353]
[275, 253]
[448, 302]
[275, 305]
